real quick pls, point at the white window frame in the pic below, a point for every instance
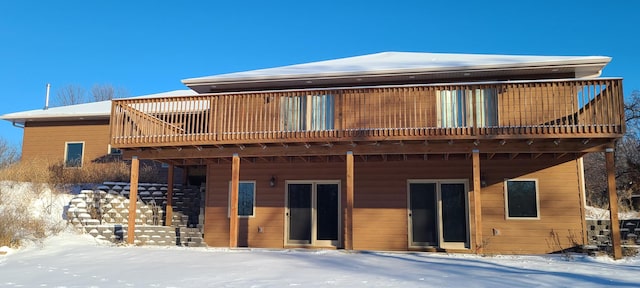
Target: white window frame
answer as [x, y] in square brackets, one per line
[506, 199]
[66, 154]
[253, 200]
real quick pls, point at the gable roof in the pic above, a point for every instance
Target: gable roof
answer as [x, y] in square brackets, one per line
[85, 111]
[387, 64]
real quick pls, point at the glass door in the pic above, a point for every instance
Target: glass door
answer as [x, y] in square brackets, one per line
[299, 213]
[313, 214]
[454, 215]
[437, 214]
[423, 214]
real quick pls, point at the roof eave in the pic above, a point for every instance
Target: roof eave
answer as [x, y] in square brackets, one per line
[597, 64]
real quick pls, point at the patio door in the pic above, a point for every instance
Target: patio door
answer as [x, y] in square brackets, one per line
[438, 214]
[312, 214]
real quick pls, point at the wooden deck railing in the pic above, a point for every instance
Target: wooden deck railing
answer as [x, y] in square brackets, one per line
[526, 109]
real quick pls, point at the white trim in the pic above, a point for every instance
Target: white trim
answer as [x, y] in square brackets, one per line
[506, 199]
[254, 200]
[66, 147]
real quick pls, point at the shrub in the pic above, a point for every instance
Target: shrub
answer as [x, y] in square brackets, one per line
[20, 219]
[8, 154]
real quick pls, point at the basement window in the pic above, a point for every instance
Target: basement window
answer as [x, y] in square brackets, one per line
[73, 154]
[246, 199]
[113, 151]
[521, 199]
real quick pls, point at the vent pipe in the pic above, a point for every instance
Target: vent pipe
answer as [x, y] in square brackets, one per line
[46, 100]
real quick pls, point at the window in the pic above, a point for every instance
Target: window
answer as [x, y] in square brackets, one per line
[457, 107]
[113, 151]
[307, 113]
[246, 198]
[521, 199]
[73, 153]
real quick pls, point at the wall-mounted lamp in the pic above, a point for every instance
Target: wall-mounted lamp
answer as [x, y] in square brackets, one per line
[272, 181]
[483, 181]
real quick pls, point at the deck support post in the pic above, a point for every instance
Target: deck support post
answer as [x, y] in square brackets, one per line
[477, 200]
[233, 211]
[133, 199]
[348, 230]
[169, 210]
[613, 203]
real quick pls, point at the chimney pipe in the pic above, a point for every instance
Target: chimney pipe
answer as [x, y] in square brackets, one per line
[46, 101]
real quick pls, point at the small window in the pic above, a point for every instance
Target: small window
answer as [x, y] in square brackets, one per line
[114, 151]
[521, 197]
[73, 154]
[246, 198]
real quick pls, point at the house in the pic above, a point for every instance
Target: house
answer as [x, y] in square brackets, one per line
[387, 151]
[73, 135]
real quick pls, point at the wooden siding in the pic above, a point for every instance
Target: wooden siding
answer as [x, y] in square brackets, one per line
[46, 141]
[528, 109]
[380, 201]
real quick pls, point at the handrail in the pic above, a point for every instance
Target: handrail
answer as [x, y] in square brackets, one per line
[456, 110]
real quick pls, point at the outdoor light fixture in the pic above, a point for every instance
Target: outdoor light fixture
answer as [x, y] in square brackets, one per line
[272, 181]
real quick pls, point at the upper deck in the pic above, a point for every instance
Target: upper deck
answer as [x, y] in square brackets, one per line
[548, 109]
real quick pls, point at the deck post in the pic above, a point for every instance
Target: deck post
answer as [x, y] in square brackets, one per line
[348, 239]
[613, 204]
[233, 211]
[169, 210]
[477, 200]
[133, 199]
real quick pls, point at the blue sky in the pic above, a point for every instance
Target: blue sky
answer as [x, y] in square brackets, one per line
[149, 46]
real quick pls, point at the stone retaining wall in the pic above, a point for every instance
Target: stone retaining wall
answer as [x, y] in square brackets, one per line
[104, 213]
[599, 232]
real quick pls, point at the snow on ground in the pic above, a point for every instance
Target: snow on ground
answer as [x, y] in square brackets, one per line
[594, 213]
[70, 259]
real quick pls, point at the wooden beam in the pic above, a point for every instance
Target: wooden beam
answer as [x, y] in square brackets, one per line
[233, 213]
[348, 228]
[169, 210]
[341, 148]
[613, 204]
[133, 198]
[477, 200]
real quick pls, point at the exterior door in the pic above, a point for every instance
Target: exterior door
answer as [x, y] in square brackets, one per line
[438, 214]
[313, 214]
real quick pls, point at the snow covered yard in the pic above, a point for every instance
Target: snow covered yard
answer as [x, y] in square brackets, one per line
[71, 260]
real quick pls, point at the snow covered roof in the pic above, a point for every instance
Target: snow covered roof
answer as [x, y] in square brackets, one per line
[85, 111]
[404, 63]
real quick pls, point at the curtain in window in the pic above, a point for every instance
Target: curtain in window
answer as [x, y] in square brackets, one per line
[304, 113]
[457, 108]
[321, 112]
[486, 107]
[453, 111]
[292, 113]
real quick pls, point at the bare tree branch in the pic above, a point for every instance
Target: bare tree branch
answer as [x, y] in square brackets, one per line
[105, 92]
[70, 95]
